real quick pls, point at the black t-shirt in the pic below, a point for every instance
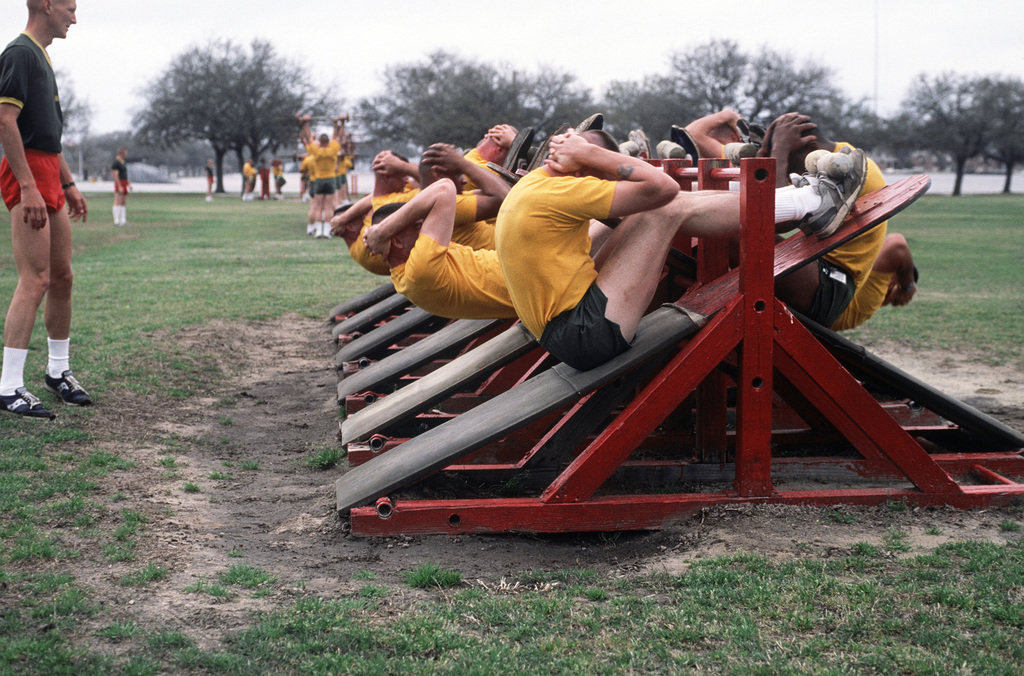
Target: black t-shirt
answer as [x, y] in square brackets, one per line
[120, 169]
[27, 80]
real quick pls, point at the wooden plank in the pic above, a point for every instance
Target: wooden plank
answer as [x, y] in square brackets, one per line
[373, 342]
[360, 302]
[382, 374]
[442, 383]
[371, 315]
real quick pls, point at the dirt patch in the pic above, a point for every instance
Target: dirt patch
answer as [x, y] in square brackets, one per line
[259, 503]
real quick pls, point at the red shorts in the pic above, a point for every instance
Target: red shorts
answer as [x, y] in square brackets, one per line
[121, 186]
[45, 169]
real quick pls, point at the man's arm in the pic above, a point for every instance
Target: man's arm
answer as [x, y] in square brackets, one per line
[390, 163]
[339, 128]
[352, 216]
[34, 208]
[639, 187]
[712, 132]
[305, 133]
[434, 205]
[77, 208]
[492, 188]
[785, 136]
[895, 258]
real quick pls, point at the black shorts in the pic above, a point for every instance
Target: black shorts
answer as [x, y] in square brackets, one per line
[835, 291]
[583, 337]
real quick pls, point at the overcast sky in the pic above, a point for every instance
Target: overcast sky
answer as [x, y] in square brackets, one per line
[120, 45]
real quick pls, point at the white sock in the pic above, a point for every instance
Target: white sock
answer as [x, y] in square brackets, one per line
[116, 212]
[792, 204]
[13, 375]
[57, 363]
[124, 215]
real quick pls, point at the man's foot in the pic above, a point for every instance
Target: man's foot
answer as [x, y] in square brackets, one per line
[629, 148]
[638, 137]
[837, 198]
[670, 150]
[68, 389]
[22, 402]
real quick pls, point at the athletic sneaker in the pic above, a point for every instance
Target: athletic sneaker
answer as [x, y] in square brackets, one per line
[23, 402]
[837, 198]
[68, 389]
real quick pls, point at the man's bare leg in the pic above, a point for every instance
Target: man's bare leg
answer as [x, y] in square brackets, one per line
[629, 264]
[57, 310]
[31, 250]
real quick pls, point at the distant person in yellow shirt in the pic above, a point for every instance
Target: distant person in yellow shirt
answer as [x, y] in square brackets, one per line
[324, 151]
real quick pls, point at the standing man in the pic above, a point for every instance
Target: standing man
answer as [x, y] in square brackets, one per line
[323, 150]
[248, 181]
[36, 184]
[209, 180]
[277, 169]
[119, 169]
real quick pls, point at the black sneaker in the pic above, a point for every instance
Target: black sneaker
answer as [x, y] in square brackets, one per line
[68, 389]
[837, 198]
[22, 402]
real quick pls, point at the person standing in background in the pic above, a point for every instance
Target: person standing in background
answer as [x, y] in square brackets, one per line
[119, 169]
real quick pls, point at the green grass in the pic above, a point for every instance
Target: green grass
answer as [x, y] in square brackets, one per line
[875, 608]
[969, 251]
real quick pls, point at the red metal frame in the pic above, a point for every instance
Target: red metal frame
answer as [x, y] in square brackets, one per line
[765, 341]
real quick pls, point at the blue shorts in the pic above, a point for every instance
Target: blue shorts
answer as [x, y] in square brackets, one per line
[583, 337]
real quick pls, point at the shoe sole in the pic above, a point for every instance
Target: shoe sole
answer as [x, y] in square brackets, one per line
[53, 390]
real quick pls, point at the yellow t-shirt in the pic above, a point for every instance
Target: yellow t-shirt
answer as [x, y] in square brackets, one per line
[467, 230]
[375, 263]
[454, 281]
[858, 255]
[324, 159]
[543, 242]
[306, 167]
[248, 170]
[475, 157]
[869, 297]
[342, 164]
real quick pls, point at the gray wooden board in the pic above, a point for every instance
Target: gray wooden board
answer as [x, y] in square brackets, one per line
[388, 370]
[425, 454]
[382, 337]
[438, 385]
[361, 302]
[371, 315]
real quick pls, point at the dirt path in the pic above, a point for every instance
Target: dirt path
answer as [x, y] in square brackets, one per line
[259, 503]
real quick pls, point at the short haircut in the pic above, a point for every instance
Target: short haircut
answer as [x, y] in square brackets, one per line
[380, 213]
[600, 137]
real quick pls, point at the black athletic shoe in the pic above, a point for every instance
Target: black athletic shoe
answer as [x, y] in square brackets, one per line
[68, 389]
[22, 402]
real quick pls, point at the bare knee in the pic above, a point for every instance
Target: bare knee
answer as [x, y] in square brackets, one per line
[61, 281]
[34, 285]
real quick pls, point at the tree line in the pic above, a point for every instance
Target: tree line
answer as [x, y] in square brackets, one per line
[240, 100]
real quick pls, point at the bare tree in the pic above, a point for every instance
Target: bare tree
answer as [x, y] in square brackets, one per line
[947, 113]
[238, 99]
[455, 100]
[1005, 105]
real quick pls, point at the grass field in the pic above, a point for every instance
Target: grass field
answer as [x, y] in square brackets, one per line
[958, 608]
